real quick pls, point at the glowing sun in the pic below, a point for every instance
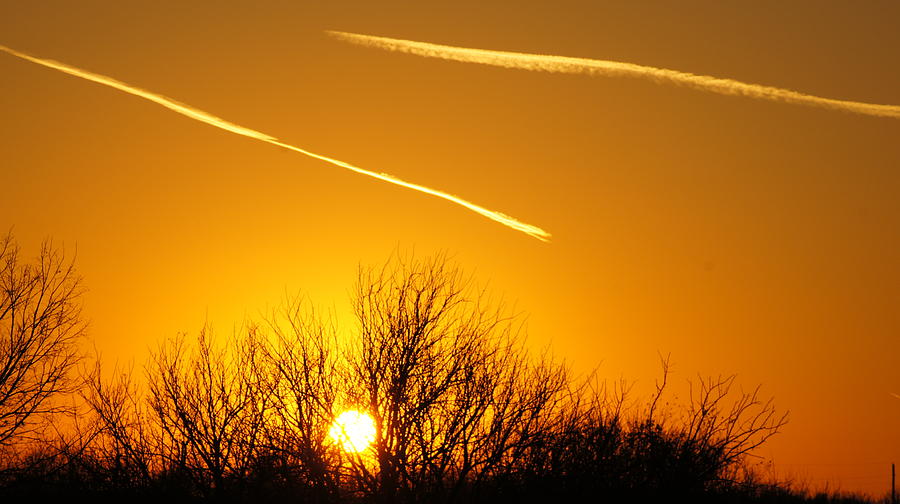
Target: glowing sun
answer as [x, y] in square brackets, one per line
[353, 430]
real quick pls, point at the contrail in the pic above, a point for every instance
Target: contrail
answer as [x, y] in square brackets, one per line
[895, 395]
[563, 64]
[212, 120]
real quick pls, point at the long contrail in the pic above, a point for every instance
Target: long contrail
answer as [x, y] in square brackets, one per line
[212, 120]
[564, 64]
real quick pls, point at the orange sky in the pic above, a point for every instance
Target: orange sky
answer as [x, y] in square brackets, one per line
[742, 236]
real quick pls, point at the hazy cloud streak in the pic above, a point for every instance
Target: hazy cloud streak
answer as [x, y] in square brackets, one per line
[212, 120]
[563, 64]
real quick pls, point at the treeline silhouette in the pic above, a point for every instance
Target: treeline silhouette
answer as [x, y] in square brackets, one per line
[464, 412]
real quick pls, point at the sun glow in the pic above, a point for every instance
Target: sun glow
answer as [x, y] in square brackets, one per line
[353, 430]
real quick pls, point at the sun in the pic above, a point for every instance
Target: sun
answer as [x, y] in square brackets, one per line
[353, 430]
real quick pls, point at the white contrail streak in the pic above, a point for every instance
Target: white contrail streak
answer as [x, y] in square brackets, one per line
[212, 120]
[563, 64]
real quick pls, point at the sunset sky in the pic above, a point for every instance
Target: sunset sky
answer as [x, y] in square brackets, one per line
[740, 235]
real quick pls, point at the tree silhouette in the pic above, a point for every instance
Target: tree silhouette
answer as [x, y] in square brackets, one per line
[455, 396]
[119, 439]
[303, 355]
[211, 405]
[40, 327]
[463, 411]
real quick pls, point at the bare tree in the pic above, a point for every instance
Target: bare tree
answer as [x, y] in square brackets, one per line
[40, 327]
[454, 395]
[304, 359]
[117, 436]
[211, 404]
[728, 426]
[696, 447]
[252, 412]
